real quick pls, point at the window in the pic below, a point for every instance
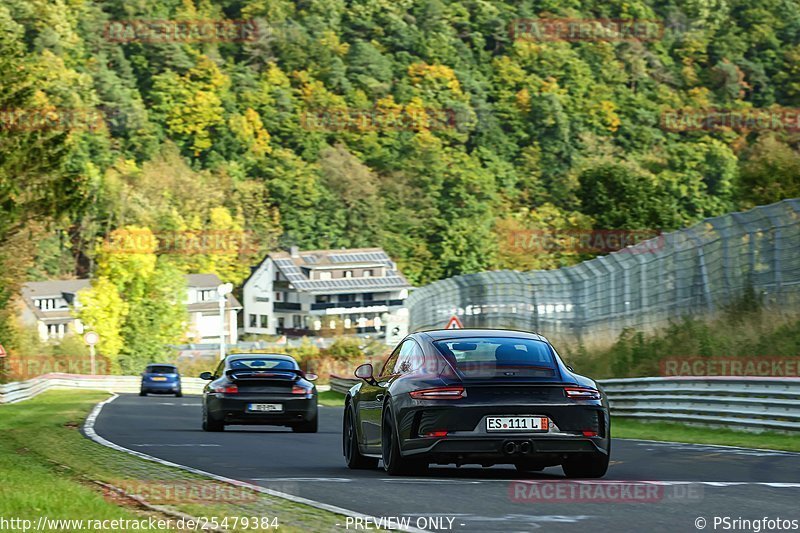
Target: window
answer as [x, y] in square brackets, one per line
[368, 296]
[278, 296]
[410, 358]
[325, 275]
[366, 274]
[206, 295]
[253, 321]
[347, 297]
[264, 321]
[297, 321]
[45, 304]
[483, 357]
[348, 273]
[322, 299]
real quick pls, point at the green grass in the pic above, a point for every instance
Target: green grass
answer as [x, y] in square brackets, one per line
[667, 431]
[331, 398]
[47, 467]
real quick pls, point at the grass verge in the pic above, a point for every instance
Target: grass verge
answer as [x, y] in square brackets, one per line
[48, 468]
[331, 398]
[625, 428]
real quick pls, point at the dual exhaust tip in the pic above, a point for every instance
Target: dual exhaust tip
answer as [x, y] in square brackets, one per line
[513, 447]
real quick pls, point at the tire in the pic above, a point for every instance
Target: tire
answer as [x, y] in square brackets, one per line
[179, 394]
[393, 463]
[589, 465]
[211, 424]
[309, 426]
[142, 393]
[352, 455]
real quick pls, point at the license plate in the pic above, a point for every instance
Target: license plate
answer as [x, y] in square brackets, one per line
[265, 407]
[159, 379]
[517, 423]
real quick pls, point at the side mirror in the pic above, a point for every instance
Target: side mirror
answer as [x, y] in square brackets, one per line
[364, 372]
[208, 376]
[312, 377]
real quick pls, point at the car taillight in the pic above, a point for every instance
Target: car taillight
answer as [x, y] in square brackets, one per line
[589, 433]
[436, 434]
[581, 393]
[439, 393]
[227, 389]
[297, 389]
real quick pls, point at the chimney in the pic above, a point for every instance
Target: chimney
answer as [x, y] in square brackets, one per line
[294, 251]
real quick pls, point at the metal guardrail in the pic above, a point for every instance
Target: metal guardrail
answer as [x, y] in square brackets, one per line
[24, 390]
[734, 402]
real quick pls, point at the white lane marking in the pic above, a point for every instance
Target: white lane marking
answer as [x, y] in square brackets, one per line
[722, 446]
[304, 479]
[89, 431]
[176, 445]
[432, 481]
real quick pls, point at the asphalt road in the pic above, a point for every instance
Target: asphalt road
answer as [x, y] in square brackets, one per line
[650, 486]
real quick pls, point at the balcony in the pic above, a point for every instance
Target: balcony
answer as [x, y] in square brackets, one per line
[286, 306]
[355, 305]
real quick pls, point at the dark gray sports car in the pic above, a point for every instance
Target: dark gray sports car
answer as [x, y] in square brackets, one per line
[263, 389]
[476, 396]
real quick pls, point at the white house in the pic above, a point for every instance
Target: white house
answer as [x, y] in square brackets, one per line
[319, 292]
[50, 306]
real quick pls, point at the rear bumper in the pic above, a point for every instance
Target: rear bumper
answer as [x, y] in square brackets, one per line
[234, 410]
[160, 386]
[503, 450]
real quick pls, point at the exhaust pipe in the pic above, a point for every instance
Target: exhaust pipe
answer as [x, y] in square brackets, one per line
[510, 448]
[525, 448]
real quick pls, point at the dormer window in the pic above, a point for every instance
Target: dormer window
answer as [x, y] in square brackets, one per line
[324, 275]
[348, 273]
[45, 304]
[206, 295]
[367, 274]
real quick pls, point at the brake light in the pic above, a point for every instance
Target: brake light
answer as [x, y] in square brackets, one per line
[227, 389]
[439, 393]
[581, 393]
[297, 389]
[436, 434]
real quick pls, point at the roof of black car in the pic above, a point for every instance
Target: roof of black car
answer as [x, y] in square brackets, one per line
[280, 356]
[440, 334]
[161, 364]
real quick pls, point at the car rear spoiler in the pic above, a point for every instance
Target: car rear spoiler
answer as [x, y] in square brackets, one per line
[284, 374]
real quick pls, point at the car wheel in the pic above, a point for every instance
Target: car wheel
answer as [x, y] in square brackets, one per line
[309, 426]
[589, 465]
[142, 393]
[352, 454]
[211, 424]
[179, 394]
[394, 463]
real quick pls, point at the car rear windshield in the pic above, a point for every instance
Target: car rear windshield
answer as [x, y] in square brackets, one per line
[483, 357]
[262, 364]
[161, 369]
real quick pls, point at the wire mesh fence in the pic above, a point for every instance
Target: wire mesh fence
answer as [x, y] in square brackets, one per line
[698, 270]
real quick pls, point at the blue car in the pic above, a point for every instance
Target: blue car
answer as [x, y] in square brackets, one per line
[161, 379]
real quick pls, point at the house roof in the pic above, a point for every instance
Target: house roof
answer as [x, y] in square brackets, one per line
[297, 266]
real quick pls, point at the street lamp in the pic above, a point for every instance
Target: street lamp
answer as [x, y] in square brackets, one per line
[222, 291]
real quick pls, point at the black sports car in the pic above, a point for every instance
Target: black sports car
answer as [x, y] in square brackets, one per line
[476, 396]
[262, 389]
